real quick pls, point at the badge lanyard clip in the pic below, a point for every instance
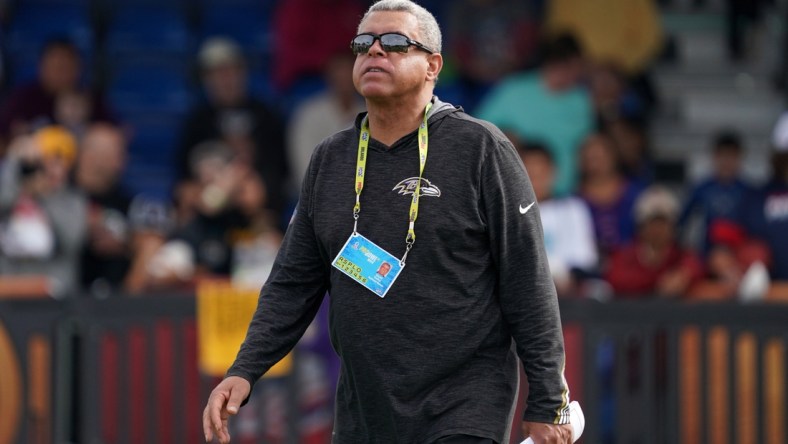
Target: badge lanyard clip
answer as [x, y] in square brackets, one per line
[361, 165]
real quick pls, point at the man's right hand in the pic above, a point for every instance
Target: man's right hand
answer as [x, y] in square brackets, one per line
[225, 400]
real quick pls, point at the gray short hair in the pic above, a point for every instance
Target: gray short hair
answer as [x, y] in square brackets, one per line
[429, 31]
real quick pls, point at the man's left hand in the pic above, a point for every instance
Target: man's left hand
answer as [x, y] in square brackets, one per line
[543, 433]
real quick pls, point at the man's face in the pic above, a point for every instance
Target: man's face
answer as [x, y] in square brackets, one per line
[103, 155]
[226, 84]
[658, 231]
[597, 156]
[59, 70]
[727, 163]
[378, 74]
[541, 172]
[339, 75]
[564, 75]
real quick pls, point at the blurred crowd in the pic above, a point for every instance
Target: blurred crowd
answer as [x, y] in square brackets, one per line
[567, 80]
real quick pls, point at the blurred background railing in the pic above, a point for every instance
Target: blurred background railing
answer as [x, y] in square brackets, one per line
[125, 371]
[671, 372]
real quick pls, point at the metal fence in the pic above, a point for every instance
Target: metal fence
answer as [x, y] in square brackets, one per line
[30, 356]
[671, 372]
[125, 371]
[116, 371]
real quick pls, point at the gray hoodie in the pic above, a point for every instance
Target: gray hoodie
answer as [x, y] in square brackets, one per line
[434, 357]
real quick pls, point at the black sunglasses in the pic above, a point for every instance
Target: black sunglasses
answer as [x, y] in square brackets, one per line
[390, 42]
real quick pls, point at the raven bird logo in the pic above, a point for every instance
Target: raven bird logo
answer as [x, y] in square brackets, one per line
[408, 186]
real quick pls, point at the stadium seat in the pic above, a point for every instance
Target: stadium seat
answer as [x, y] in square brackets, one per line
[22, 68]
[304, 88]
[250, 3]
[79, 3]
[152, 181]
[32, 25]
[250, 26]
[179, 4]
[153, 139]
[152, 148]
[450, 92]
[147, 31]
[14, 5]
[260, 83]
[149, 88]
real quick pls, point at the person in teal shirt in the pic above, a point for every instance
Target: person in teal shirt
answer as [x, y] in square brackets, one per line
[547, 105]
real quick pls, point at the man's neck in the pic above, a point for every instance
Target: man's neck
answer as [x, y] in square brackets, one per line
[390, 121]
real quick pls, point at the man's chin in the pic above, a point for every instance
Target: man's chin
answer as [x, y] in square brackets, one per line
[373, 92]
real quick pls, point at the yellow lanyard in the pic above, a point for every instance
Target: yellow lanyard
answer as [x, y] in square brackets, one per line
[361, 166]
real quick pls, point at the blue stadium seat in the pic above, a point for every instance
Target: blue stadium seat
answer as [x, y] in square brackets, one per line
[85, 4]
[302, 89]
[143, 31]
[250, 26]
[154, 139]
[268, 5]
[260, 83]
[438, 8]
[152, 181]
[451, 92]
[34, 24]
[264, 9]
[152, 147]
[22, 68]
[179, 4]
[149, 89]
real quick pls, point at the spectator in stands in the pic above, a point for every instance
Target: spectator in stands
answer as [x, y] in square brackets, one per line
[612, 95]
[609, 194]
[624, 33]
[32, 106]
[568, 230]
[248, 126]
[763, 213]
[654, 264]
[742, 16]
[547, 105]
[231, 234]
[323, 115]
[120, 229]
[718, 197]
[323, 26]
[501, 38]
[630, 138]
[44, 220]
[735, 266]
[73, 110]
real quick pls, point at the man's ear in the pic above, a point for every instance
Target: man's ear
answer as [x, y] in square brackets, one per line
[435, 64]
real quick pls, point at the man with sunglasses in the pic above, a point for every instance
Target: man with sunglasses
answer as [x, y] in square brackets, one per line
[442, 197]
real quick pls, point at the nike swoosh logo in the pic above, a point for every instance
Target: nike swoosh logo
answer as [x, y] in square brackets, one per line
[525, 210]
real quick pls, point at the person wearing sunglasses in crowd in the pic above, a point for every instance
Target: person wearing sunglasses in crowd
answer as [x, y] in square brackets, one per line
[442, 197]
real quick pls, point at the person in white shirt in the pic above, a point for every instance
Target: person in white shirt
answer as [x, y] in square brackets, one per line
[323, 114]
[568, 229]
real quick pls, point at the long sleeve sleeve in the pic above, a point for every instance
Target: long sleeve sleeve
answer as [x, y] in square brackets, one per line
[525, 288]
[289, 299]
